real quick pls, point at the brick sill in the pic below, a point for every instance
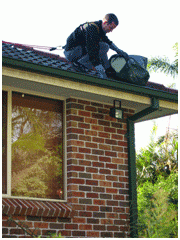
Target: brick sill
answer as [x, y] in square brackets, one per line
[22, 207]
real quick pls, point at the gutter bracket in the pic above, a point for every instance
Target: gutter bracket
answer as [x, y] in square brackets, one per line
[132, 164]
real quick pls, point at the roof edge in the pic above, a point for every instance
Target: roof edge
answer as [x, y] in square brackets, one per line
[79, 77]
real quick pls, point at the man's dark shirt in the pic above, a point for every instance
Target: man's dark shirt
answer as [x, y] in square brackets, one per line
[88, 36]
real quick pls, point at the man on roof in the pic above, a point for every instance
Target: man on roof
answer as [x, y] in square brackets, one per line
[89, 45]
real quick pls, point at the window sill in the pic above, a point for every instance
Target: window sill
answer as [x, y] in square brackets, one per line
[22, 207]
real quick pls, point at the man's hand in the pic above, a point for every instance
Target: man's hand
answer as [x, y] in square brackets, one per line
[101, 70]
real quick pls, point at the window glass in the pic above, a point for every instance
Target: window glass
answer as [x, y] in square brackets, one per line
[4, 142]
[37, 151]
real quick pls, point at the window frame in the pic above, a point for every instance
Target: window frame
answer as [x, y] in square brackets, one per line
[9, 91]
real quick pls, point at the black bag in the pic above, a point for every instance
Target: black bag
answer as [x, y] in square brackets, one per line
[129, 71]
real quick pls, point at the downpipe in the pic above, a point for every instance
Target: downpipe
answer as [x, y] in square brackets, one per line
[132, 164]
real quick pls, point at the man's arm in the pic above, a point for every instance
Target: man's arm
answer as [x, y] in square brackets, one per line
[119, 51]
[92, 44]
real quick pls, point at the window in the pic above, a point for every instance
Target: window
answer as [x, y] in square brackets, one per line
[36, 161]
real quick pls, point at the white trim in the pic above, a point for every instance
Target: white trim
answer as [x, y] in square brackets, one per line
[9, 134]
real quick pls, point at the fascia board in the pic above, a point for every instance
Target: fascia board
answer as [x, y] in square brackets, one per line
[105, 83]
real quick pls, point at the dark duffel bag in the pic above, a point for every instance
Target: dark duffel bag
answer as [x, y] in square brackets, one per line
[131, 71]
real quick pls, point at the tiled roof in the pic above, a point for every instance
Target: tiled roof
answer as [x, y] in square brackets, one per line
[29, 54]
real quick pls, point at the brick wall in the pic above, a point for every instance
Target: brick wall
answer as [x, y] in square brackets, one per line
[97, 177]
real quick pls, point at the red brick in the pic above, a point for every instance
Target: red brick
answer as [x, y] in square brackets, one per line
[120, 131]
[84, 150]
[40, 225]
[119, 209]
[96, 127]
[71, 149]
[76, 181]
[75, 118]
[92, 182]
[92, 208]
[92, 195]
[123, 179]
[98, 164]
[84, 102]
[104, 123]
[111, 190]
[75, 143]
[98, 177]
[98, 202]
[91, 109]
[104, 147]
[97, 115]
[84, 125]
[91, 157]
[71, 226]
[97, 152]
[75, 130]
[122, 143]
[110, 165]
[76, 168]
[79, 220]
[84, 138]
[91, 145]
[112, 228]
[117, 149]
[105, 184]
[93, 234]
[85, 214]
[96, 104]
[91, 120]
[110, 141]
[116, 136]
[111, 154]
[98, 140]
[112, 203]
[75, 155]
[99, 189]
[104, 159]
[85, 227]
[118, 197]
[122, 155]
[104, 171]
[103, 135]
[84, 163]
[116, 172]
[92, 170]
[117, 160]
[106, 221]
[84, 113]
[112, 178]
[90, 133]
[78, 194]
[109, 129]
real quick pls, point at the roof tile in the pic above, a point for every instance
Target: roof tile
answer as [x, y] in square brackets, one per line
[29, 54]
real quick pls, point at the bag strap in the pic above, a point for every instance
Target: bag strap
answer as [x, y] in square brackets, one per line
[91, 23]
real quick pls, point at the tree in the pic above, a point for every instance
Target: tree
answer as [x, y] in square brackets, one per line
[152, 160]
[164, 65]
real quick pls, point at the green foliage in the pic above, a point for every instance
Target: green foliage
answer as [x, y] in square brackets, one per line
[150, 161]
[36, 153]
[163, 64]
[157, 213]
[157, 190]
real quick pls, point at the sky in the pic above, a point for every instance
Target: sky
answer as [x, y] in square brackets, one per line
[146, 28]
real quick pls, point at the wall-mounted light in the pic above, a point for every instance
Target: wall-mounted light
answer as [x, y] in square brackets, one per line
[116, 112]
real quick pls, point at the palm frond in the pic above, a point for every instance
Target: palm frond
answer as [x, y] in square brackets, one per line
[163, 65]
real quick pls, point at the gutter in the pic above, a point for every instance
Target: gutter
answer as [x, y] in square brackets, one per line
[92, 80]
[132, 164]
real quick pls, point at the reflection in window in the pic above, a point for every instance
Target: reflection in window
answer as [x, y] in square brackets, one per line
[37, 140]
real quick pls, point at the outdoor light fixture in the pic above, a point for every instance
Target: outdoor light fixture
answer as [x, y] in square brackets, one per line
[116, 112]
